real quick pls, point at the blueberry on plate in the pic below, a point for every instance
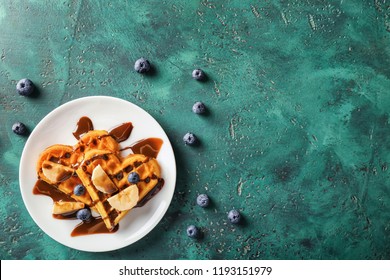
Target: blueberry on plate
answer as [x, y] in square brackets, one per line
[190, 138]
[25, 87]
[199, 108]
[192, 231]
[19, 128]
[79, 190]
[84, 214]
[142, 65]
[203, 200]
[234, 216]
[133, 178]
[198, 74]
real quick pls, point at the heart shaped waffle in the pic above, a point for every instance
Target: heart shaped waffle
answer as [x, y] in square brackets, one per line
[111, 182]
[56, 166]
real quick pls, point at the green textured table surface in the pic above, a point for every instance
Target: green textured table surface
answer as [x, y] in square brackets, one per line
[297, 132]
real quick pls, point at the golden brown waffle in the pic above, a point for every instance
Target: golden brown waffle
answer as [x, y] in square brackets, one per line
[95, 162]
[66, 159]
[111, 165]
[117, 170]
[147, 168]
[63, 159]
[96, 139]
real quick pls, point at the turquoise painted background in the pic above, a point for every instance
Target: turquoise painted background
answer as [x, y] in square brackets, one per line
[296, 138]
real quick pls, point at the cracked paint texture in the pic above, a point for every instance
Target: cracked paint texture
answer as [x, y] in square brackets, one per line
[296, 137]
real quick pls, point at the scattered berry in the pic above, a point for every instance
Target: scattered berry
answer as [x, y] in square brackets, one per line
[234, 216]
[192, 231]
[190, 138]
[203, 200]
[142, 65]
[199, 108]
[84, 214]
[79, 190]
[25, 87]
[133, 178]
[19, 128]
[198, 74]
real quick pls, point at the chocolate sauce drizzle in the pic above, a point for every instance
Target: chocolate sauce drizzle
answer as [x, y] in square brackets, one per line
[149, 147]
[151, 193]
[121, 132]
[41, 187]
[94, 225]
[83, 126]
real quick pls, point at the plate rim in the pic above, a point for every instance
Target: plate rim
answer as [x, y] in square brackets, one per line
[63, 107]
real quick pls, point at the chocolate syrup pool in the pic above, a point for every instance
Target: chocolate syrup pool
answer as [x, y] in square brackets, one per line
[149, 147]
[92, 226]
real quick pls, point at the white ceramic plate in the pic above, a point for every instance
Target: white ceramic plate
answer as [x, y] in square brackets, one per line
[105, 113]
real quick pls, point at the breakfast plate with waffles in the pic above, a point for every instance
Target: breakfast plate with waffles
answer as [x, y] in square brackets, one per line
[97, 173]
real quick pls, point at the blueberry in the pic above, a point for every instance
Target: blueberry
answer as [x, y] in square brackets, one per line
[203, 200]
[84, 214]
[25, 87]
[19, 128]
[133, 178]
[234, 216]
[192, 231]
[199, 108]
[142, 65]
[79, 190]
[198, 74]
[190, 138]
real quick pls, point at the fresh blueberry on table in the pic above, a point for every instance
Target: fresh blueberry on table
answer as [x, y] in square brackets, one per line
[199, 108]
[192, 231]
[25, 87]
[142, 65]
[190, 139]
[234, 216]
[198, 74]
[133, 178]
[203, 200]
[84, 214]
[19, 128]
[79, 190]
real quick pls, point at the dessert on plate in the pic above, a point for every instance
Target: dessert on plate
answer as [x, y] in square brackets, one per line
[93, 182]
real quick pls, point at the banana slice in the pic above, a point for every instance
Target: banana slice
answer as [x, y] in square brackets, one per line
[64, 207]
[56, 172]
[101, 181]
[126, 199]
